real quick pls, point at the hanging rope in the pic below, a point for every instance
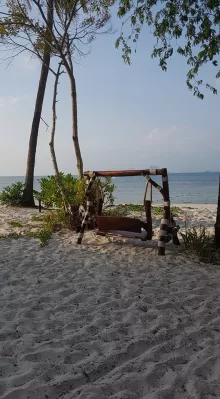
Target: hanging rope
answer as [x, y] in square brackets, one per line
[146, 188]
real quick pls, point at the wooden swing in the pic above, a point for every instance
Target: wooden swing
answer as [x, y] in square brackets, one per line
[129, 227]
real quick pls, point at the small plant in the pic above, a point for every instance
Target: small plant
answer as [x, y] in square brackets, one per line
[56, 220]
[158, 210]
[135, 208]
[15, 224]
[175, 210]
[12, 195]
[119, 210]
[43, 235]
[37, 218]
[200, 242]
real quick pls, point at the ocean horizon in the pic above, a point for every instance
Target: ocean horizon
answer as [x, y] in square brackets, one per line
[185, 188]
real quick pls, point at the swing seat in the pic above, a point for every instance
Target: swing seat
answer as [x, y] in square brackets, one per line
[122, 226]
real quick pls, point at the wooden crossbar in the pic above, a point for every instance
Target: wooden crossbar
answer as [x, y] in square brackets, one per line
[118, 173]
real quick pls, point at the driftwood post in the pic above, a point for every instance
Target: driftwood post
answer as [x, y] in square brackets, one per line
[165, 222]
[217, 224]
[89, 207]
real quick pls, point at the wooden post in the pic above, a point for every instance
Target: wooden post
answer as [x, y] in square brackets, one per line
[217, 224]
[89, 208]
[166, 216]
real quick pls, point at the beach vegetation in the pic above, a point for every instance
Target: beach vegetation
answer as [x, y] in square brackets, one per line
[14, 223]
[126, 209]
[200, 242]
[43, 235]
[12, 195]
[74, 191]
[35, 218]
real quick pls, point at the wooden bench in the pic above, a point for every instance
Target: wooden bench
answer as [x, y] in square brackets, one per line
[122, 226]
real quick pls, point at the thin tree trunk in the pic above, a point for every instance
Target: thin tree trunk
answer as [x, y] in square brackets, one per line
[28, 197]
[69, 69]
[79, 161]
[52, 150]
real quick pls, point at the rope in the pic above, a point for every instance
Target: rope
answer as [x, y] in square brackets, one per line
[146, 188]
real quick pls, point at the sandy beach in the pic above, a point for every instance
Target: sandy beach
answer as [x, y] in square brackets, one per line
[109, 318]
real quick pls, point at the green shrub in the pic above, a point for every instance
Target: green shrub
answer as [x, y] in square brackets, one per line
[37, 218]
[201, 243]
[56, 220]
[124, 210]
[12, 195]
[74, 190]
[43, 235]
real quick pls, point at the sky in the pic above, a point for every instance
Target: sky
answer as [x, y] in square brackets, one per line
[129, 116]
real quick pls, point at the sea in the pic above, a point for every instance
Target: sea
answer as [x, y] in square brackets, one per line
[185, 188]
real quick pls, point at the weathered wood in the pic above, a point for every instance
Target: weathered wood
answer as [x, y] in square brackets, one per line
[165, 222]
[147, 206]
[174, 231]
[122, 233]
[89, 209]
[118, 173]
[118, 223]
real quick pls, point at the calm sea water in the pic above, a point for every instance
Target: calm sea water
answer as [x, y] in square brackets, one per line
[197, 188]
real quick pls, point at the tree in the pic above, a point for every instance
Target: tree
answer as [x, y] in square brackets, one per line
[74, 24]
[187, 27]
[28, 196]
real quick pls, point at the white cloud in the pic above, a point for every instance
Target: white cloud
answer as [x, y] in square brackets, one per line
[6, 101]
[158, 134]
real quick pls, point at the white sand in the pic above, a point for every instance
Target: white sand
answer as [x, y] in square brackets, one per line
[112, 320]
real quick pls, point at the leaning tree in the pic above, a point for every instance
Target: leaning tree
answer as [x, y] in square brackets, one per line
[190, 28]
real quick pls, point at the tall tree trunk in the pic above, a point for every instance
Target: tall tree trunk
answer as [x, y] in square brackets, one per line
[67, 206]
[28, 197]
[79, 161]
[69, 70]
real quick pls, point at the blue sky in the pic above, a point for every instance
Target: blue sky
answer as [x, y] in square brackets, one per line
[129, 116]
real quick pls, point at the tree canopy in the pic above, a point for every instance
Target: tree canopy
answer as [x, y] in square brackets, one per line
[190, 28]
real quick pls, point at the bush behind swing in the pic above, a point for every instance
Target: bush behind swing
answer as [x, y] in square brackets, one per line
[74, 191]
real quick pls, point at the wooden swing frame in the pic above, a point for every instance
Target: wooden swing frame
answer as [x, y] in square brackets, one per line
[129, 227]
